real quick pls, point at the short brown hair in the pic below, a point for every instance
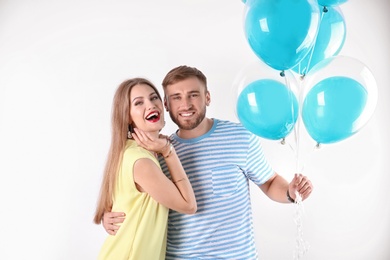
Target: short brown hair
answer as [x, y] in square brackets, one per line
[181, 73]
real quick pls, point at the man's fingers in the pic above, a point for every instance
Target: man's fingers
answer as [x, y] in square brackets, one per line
[300, 181]
[306, 193]
[110, 215]
[112, 232]
[117, 220]
[305, 188]
[113, 221]
[113, 227]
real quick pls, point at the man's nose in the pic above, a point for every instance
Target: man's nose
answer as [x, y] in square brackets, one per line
[186, 103]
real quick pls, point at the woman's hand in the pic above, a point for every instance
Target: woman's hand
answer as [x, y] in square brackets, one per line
[152, 143]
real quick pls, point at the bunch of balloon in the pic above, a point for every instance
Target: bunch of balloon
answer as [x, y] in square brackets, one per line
[301, 39]
[300, 78]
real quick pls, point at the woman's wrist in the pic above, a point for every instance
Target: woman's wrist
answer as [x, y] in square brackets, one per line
[167, 149]
[164, 148]
[166, 154]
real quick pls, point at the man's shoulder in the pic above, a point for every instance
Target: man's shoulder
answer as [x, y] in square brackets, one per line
[227, 123]
[233, 129]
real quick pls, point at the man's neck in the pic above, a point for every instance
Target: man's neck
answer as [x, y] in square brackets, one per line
[200, 130]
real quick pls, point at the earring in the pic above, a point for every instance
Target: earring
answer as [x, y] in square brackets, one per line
[129, 133]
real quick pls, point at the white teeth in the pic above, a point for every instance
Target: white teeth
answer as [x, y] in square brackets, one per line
[151, 115]
[186, 114]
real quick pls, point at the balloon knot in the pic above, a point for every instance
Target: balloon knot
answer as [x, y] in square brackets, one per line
[282, 73]
[325, 10]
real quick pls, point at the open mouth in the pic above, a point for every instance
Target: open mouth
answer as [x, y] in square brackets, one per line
[153, 116]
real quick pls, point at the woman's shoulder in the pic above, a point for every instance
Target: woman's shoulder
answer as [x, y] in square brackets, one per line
[134, 151]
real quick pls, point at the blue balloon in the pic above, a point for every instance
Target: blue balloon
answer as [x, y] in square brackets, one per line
[332, 108]
[329, 42]
[281, 33]
[331, 2]
[267, 108]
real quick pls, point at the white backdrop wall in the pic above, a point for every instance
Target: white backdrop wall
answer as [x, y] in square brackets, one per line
[60, 62]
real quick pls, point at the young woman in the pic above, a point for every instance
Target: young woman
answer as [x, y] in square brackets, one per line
[133, 181]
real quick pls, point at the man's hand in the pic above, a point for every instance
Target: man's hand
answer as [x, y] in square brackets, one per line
[300, 184]
[110, 221]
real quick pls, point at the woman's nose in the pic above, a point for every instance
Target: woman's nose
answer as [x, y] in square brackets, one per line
[150, 105]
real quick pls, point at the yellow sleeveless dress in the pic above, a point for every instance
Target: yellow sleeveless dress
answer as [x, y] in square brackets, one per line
[142, 236]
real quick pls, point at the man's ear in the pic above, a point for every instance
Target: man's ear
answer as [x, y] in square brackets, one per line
[208, 98]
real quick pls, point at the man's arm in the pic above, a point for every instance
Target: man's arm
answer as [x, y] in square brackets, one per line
[111, 221]
[276, 188]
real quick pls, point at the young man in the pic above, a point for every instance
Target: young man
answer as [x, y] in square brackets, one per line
[219, 157]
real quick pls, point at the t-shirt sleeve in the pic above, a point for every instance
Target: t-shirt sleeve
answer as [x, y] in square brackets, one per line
[258, 169]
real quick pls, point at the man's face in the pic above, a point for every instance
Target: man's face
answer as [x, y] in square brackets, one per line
[186, 102]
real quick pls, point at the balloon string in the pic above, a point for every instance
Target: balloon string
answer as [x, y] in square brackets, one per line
[324, 10]
[296, 127]
[302, 246]
[299, 166]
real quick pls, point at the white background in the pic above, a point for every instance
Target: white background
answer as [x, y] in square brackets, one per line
[60, 62]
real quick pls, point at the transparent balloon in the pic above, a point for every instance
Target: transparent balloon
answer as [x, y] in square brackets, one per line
[281, 33]
[329, 40]
[340, 96]
[331, 2]
[265, 100]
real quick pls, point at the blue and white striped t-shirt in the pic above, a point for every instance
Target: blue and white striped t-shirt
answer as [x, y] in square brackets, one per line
[219, 166]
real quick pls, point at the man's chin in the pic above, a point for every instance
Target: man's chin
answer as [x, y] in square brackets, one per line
[186, 125]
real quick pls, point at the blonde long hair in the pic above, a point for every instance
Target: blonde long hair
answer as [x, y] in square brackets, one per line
[120, 121]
